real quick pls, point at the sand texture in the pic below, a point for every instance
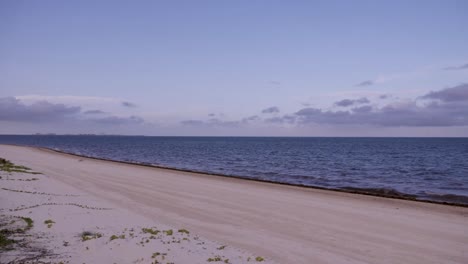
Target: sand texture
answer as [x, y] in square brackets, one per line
[282, 224]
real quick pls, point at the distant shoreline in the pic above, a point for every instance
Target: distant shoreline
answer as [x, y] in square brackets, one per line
[111, 135]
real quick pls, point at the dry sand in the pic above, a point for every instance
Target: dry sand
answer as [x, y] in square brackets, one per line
[284, 224]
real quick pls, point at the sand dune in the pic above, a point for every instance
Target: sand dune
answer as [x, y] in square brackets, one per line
[285, 224]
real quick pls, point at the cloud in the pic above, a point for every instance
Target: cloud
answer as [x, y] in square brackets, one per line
[286, 119]
[350, 102]
[128, 104]
[67, 99]
[192, 122]
[93, 112]
[397, 114]
[213, 122]
[365, 83]
[12, 109]
[116, 120]
[384, 96]
[250, 119]
[271, 110]
[362, 109]
[453, 94]
[455, 68]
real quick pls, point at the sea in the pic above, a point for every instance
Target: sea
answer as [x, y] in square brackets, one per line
[433, 169]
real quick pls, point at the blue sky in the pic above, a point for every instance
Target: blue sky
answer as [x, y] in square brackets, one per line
[211, 67]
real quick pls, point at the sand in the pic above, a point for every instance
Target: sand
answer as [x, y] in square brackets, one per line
[283, 224]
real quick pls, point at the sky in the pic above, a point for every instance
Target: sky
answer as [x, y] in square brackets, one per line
[234, 68]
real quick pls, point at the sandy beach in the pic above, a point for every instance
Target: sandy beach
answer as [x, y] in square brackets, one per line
[225, 218]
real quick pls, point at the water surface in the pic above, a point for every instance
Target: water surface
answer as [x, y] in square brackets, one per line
[427, 168]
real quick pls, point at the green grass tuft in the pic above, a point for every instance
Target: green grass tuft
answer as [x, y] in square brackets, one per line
[215, 259]
[86, 235]
[183, 231]
[113, 237]
[4, 241]
[150, 230]
[28, 221]
[8, 166]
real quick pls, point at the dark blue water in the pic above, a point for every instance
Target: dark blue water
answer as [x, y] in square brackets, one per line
[427, 168]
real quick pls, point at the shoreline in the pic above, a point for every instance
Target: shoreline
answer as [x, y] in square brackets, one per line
[280, 223]
[376, 192]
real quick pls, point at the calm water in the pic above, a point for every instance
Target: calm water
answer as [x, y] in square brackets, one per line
[429, 168]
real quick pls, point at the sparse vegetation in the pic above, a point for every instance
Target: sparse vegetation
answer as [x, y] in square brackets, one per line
[49, 223]
[28, 221]
[218, 259]
[168, 232]
[215, 259]
[183, 231]
[150, 231]
[5, 241]
[113, 237]
[85, 236]
[157, 254]
[8, 166]
[259, 259]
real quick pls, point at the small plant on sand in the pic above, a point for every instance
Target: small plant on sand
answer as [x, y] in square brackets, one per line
[113, 237]
[221, 248]
[183, 231]
[215, 259]
[5, 241]
[150, 230]
[49, 223]
[259, 259]
[168, 232]
[28, 221]
[86, 235]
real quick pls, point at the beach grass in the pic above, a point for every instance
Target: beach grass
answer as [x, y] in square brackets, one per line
[5, 241]
[28, 221]
[87, 235]
[8, 166]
